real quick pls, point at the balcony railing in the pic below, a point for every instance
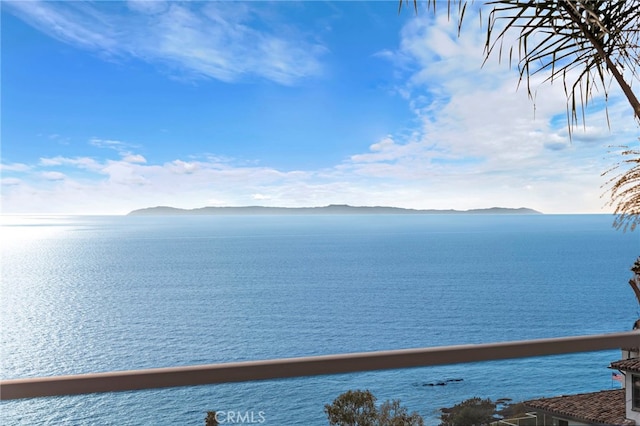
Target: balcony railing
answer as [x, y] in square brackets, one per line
[308, 366]
[528, 419]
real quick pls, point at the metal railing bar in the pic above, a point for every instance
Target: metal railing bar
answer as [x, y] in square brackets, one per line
[308, 366]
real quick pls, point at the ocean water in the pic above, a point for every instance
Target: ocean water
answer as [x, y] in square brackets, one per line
[93, 294]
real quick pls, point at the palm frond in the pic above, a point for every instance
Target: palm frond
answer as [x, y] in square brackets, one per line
[624, 187]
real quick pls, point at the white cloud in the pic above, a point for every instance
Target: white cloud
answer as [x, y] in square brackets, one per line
[10, 181]
[208, 39]
[384, 150]
[80, 162]
[90, 32]
[150, 7]
[125, 173]
[133, 158]
[260, 197]
[107, 143]
[14, 167]
[180, 167]
[53, 176]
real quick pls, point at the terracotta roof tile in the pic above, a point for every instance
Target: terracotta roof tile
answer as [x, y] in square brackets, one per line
[604, 407]
[632, 364]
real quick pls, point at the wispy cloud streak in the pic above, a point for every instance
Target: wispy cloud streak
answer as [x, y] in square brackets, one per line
[224, 41]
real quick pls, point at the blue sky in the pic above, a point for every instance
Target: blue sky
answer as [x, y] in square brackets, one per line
[113, 106]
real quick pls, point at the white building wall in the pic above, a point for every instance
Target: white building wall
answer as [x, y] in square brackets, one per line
[630, 412]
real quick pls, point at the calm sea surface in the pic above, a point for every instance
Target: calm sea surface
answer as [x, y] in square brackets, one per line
[92, 294]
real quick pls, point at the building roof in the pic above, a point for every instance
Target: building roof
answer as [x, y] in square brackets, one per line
[632, 364]
[604, 407]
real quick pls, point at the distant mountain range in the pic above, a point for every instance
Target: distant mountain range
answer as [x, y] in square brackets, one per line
[330, 209]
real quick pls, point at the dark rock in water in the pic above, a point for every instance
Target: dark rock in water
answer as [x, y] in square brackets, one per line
[440, 382]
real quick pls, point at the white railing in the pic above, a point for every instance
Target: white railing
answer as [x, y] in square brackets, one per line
[308, 366]
[527, 417]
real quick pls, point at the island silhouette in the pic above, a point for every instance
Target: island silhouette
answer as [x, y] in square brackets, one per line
[330, 209]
